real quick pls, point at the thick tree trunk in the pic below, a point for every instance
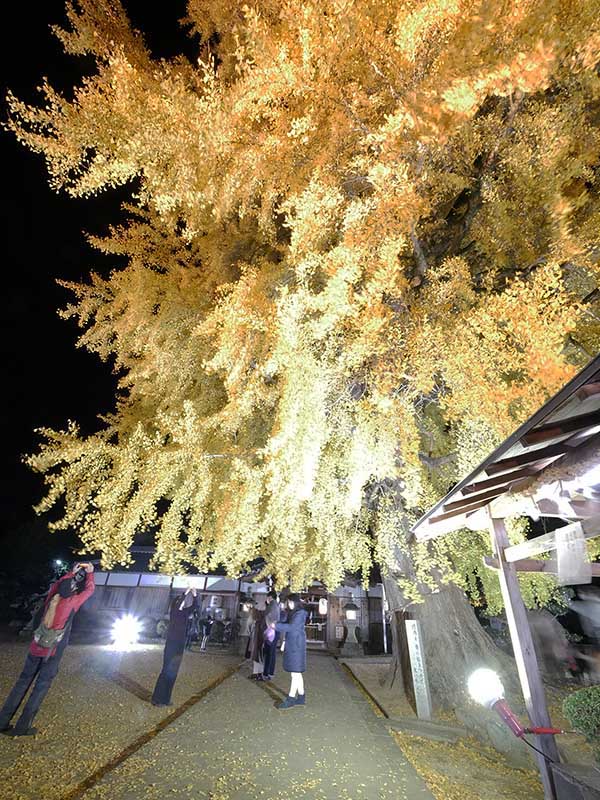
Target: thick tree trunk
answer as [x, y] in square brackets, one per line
[396, 604]
[455, 645]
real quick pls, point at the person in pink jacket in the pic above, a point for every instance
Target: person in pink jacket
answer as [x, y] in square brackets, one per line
[50, 639]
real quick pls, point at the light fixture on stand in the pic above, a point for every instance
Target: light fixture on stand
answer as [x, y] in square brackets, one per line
[485, 688]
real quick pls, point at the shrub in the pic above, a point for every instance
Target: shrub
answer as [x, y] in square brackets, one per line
[582, 709]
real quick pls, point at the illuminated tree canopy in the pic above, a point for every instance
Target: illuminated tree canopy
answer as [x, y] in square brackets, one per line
[362, 246]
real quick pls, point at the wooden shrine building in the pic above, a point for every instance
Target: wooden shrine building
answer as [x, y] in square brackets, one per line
[549, 467]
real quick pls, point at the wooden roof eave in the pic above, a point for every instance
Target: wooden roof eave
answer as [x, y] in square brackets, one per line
[476, 520]
[437, 522]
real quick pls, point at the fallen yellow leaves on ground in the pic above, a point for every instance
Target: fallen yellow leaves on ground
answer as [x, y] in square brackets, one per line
[89, 717]
[468, 770]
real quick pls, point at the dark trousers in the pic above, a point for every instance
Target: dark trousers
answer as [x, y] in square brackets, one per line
[270, 656]
[42, 671]
[171, 663]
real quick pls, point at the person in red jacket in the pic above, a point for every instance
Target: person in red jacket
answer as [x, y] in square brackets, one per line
[50, 638]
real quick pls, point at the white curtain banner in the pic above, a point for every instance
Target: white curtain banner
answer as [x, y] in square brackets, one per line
[573, 562]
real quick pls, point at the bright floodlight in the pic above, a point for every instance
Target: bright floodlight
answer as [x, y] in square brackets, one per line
[485, 687]
[125, 632]
[58, 562]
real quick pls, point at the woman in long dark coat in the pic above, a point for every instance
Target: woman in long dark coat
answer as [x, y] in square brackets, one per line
[182, 608]
[294, 654]
[255, 643]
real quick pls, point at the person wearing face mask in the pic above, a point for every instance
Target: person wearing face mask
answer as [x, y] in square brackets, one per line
[183, 608]
[50, 639]
[294, 654]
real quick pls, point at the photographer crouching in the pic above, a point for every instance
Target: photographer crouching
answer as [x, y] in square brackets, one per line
[50, 639]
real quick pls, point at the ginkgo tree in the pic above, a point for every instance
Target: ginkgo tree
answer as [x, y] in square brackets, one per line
[362, 245]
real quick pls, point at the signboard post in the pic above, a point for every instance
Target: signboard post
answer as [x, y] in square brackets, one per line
[418, 668]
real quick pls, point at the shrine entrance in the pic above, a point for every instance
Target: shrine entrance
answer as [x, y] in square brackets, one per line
[315, 603]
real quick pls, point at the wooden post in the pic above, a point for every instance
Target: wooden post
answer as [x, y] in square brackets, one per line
[527, 665]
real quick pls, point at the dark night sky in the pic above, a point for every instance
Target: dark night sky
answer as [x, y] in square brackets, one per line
[46, 379]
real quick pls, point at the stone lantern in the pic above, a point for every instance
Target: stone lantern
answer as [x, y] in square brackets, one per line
[351, 646]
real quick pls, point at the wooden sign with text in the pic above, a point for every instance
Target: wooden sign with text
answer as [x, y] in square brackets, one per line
[418, 668]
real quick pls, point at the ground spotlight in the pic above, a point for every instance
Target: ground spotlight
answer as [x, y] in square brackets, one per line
[126, 632]
[485, 687]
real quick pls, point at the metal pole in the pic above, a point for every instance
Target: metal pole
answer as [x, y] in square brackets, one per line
[383, 604]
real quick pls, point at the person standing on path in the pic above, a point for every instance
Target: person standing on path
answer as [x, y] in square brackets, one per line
[256, 643]
[272, 614]
[205, 625]
[294, 655]
[182, 608]
[192, 632]
[50, 639]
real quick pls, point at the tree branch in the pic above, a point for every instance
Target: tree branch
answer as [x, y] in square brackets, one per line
[422, 265]
[437, 461]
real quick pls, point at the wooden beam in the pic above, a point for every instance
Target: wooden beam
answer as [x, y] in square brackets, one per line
[583, 509]
[538, 504]
[498, 480]
[472, 516]
[428, 531]
[458, 512]
[525, 657]
[588, 390]
[523, 565]
[534, 565]
[547, 542]
[475, 520]
[551, 430]
[528, 457]
[468, 501]
[581, 436]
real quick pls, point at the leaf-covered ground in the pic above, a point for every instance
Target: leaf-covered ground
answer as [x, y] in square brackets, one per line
[235, 745]
[90, 715]
[466, 770]
[232, 744]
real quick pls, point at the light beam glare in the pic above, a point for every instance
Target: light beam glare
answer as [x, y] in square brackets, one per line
[485, 687]
[126, 632]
